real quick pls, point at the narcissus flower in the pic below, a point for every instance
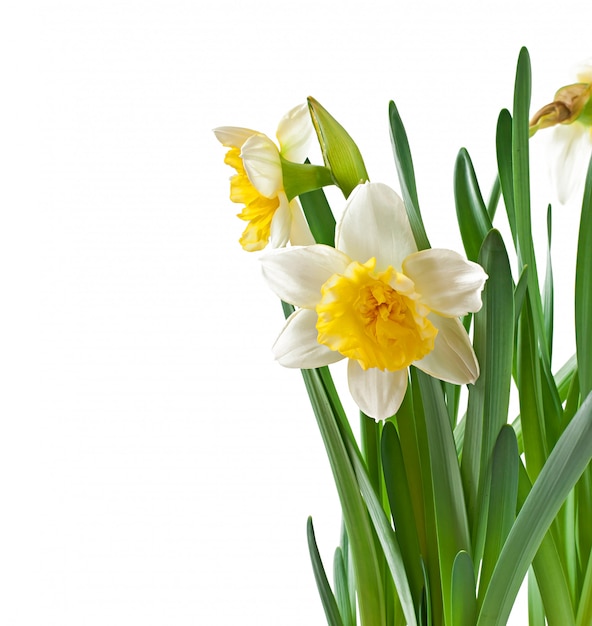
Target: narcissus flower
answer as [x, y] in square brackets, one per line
[570, 114]
[259, 181]
[377, 301]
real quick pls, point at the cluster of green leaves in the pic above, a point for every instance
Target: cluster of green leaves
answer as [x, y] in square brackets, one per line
[446, 512]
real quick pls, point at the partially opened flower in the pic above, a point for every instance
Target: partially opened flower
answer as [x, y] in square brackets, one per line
[259, 181]
[377, 301]
[570, 114]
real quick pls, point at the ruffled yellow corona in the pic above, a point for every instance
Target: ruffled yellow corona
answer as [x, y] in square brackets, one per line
[365, 318]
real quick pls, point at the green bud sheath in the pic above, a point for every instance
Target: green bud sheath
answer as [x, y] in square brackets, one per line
[340, 152]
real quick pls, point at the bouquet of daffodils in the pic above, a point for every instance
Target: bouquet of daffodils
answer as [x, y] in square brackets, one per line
[448, 500]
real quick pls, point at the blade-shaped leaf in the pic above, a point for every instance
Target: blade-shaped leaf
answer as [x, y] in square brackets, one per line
[473, 220]
[369, 583]
[502, 501]
[342, 588]
[505, 168]
[583, 293]
[489, 397]
[406, 174]
[397, 488]
[563, 468]
[463, 601]
[384, 531]
[327, 597]
[449, 504]
[319, 216]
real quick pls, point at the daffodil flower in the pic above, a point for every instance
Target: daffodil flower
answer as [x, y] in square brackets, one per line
[259, 183]
[571, 145]
[377, 301]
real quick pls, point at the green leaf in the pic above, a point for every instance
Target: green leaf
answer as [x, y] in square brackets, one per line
[319, 216]
[502, 502]
[548, 287]
[387, 537]
[342, 588]
[397, 488]
[473, 220]
[384, 532]
[531, 403]
[369, 583]
[404, 165]
[583, 291]
[520, 294]
[411, 419]
[349, 572]
[505, 167]
[548, 568]
[521, 184]
[489, 397]
[564, 466]
[494, 197]
[584, 616]
[463, 602]
[370, 444]
[327, 597]
[449, 504]
[536, 612]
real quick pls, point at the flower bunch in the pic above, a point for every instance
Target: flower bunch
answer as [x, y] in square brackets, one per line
[446, 509]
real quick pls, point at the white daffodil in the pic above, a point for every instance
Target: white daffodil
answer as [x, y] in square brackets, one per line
[571, 143]
[258, 182]
[377, 301]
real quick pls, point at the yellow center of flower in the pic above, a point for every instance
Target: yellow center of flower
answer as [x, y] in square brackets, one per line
[373, 318]
[258, 211]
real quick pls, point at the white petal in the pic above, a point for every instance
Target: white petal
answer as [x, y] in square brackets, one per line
[297, 345]
[375, 224]
[378, 394]
[300, 234]
[233, 136]
[571, 149]
[452, 359]
[297, 274]
[261, 159]
[584, 71]
[281, 223]
[447, 283]
[294, 133]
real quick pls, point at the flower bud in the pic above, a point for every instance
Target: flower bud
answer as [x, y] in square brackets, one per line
[572, 103]
[340, 153]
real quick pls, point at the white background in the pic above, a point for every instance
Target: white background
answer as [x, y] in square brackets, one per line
[156, 466]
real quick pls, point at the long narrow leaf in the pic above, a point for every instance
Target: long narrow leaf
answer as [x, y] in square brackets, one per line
[531, 404]
[342, 588]
[449, 504]
[397, 487]
[521, 180]
[564, 466]
[384, 531]
[472, 217]
[319, 216]
[489, 397]
[584, 616]
[463, 602]
[583, 293]
[505, 168]
[327, 597]
[548, 568]
[404, 165]
[502, 501]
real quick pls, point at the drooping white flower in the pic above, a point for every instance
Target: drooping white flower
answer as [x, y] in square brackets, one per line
[377, 301]
[258, 182]
[570, 115]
